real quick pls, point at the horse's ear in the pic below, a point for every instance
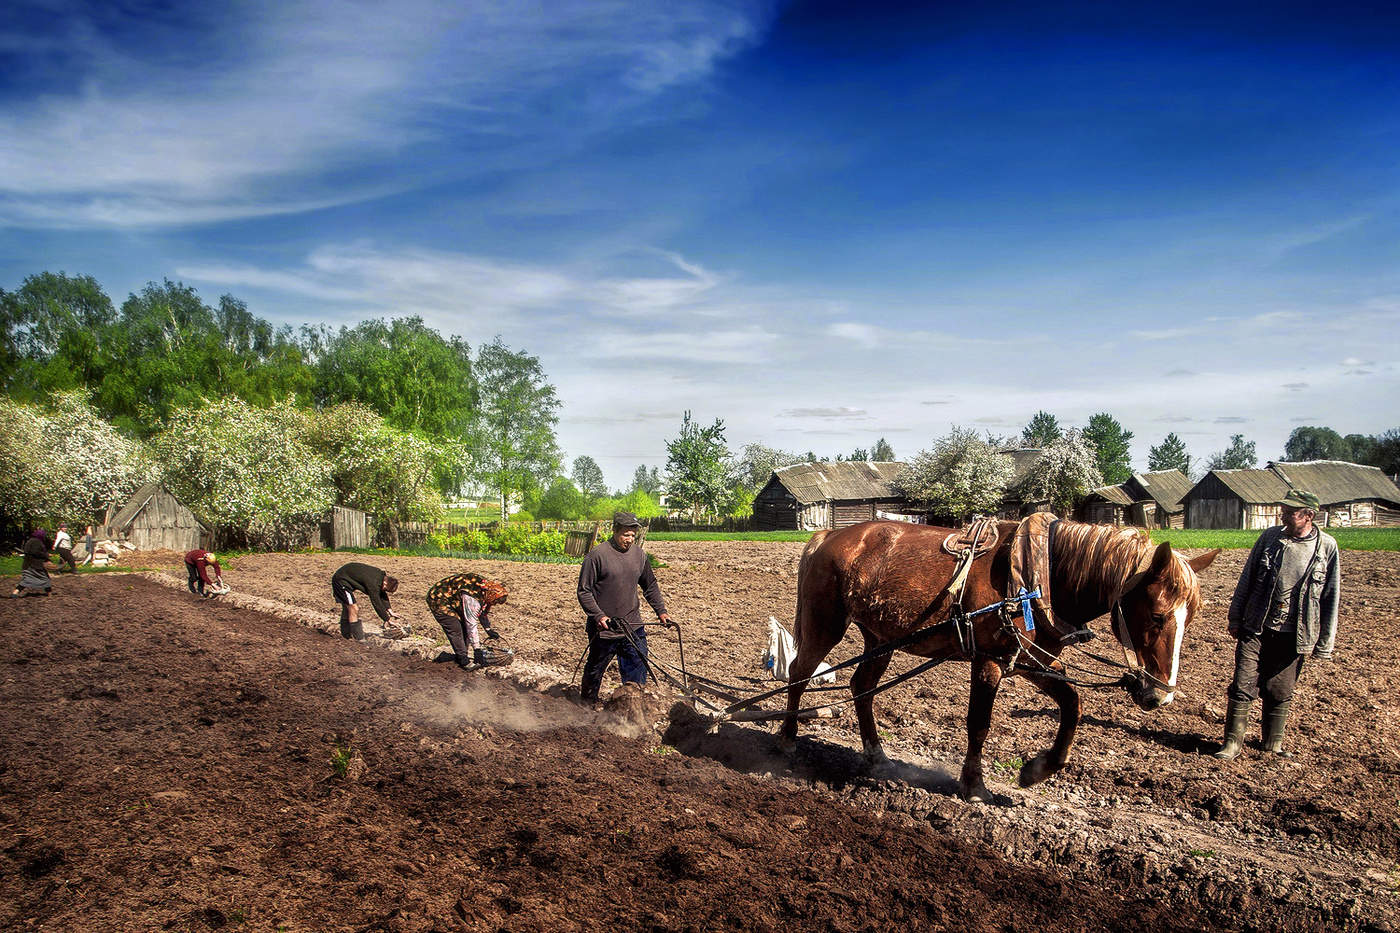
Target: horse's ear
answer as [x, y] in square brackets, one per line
[1203, 561]
[1161, 559]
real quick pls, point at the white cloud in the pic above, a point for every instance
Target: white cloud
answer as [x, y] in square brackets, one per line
[274, 107]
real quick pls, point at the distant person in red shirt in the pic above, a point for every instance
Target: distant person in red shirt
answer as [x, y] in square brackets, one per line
[204, 570]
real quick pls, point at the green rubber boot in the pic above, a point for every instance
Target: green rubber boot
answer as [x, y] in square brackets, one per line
[1236, 721]
[1275, 718]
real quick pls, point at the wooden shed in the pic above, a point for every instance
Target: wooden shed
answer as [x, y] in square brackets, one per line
[153, 518]
[1352, 495]
[343, 527]
[1148, 500]
[834, 494]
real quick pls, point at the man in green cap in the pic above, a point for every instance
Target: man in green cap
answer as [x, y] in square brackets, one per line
[1284, 610]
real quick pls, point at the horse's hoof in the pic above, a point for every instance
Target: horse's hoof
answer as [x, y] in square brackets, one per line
[976, 793]
[875, 758]
[1036, 770]
[786, 746]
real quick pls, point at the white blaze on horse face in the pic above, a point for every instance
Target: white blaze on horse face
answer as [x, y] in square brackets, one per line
[1180, 616]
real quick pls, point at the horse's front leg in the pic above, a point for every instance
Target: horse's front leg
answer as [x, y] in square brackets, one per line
[867, 675]
[986, 678]
[1053, 759]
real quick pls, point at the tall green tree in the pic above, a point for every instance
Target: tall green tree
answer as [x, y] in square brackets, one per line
[1240, 455]
[1385, 452]
[514, 448]
[1171, 454]
[1314, 443]
[695, 467]
[1041, 431]
[882, 452]
[961, 474]
[1112, 454]
[405, 370]
[562, 501]
[53, 328]
[588, 477]
[647, 480]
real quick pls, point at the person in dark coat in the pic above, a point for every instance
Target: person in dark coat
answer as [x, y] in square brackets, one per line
[203, 570]
[462, 605]
[608, 583]
[34, 571]
[373, 583]
[1284, 611]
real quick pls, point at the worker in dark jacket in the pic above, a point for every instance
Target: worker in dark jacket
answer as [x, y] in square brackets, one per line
[375, 584]
[34, 570]
[1284, 610]
[202, 568]
[607, 590]
[462, 605]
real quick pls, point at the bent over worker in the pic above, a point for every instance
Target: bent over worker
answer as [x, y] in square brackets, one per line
[202, 568]
[374, 583]
[462, 604]
[1284, 611]
[607, 591]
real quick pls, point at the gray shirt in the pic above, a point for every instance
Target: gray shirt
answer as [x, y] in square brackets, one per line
[1298, 555]
[608, 583]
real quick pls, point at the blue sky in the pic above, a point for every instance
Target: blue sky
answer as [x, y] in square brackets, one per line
[822, 222]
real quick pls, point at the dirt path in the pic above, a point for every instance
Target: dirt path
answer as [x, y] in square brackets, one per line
[1259, 843]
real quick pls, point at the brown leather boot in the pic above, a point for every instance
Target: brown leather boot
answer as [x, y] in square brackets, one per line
[1236, 721]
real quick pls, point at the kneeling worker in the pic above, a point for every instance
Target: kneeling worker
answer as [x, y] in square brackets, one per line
[375, 584]
[203, 569]
[461, 603]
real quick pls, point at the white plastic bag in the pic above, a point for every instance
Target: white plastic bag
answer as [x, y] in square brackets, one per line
[782, 651]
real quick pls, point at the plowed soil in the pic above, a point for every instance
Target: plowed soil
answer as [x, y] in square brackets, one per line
[174, 763]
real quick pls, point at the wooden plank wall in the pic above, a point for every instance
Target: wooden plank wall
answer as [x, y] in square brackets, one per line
[164, 523]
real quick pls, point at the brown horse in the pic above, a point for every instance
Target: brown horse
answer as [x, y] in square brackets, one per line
[891, 579]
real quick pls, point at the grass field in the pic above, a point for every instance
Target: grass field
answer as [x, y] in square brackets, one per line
[1348, 539]
[728, 535]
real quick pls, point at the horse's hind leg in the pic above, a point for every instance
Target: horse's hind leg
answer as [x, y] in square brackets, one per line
[818, 631]
[986, 678]
[868, 674]
[1053, 759]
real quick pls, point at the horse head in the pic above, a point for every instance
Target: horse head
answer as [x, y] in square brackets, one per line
[1150, 619]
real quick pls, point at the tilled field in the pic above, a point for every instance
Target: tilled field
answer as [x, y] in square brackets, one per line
[166, 762]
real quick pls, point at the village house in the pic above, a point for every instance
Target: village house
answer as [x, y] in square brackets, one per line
[1352, 495]
[1147, 500]
[813, 496]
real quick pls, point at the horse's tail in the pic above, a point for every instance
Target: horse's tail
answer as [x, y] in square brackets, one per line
[804, 566]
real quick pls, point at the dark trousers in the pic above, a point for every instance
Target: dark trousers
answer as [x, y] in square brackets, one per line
[631, 663]
[65, 555]
[1267, 663]
[196, 583]
[456, 631]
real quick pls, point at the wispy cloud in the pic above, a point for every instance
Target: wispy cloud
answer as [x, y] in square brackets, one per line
[1231, 419]
[261, 107]
[838, 413]
[1295, 386]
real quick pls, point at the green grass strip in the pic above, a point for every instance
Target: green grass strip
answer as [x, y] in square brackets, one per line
[1348, 539]
[728, 535]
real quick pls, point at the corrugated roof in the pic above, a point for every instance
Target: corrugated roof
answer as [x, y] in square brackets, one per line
[1335, 481]
[1115, 494]
[1254, 486]
[840, 479]
[1166, 487]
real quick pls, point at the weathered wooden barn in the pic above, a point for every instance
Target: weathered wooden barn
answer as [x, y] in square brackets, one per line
[153, 518]
[812, 496]
[1148, 500]
[343, 527]
[1352, 495]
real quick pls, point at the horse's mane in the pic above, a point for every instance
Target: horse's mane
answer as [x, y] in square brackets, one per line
[1099, 560]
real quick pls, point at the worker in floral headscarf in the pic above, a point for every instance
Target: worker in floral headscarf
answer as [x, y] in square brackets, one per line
[462, 605]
